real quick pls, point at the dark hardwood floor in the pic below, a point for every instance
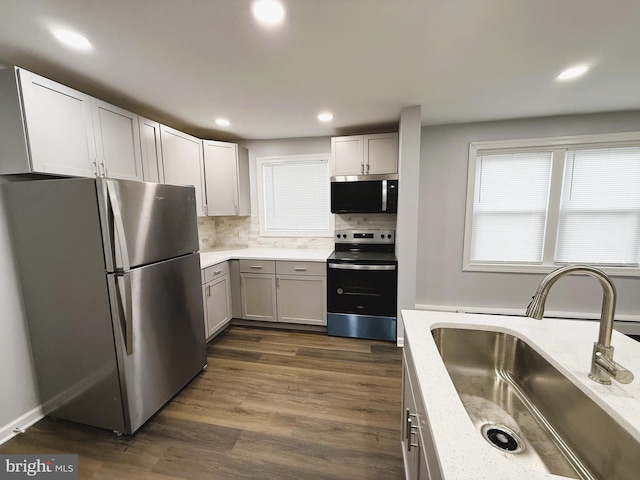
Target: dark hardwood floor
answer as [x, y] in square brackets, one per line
[272, 404]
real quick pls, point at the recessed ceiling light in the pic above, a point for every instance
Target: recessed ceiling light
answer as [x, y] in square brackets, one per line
[573, 72]
[268, 12]
[222, 122]
[325, 117]
[72, 39]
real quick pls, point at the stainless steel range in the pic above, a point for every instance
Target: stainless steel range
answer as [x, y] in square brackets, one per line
[362, 285]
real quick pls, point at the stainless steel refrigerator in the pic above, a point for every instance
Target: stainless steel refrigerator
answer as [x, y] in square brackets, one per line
[110, 275]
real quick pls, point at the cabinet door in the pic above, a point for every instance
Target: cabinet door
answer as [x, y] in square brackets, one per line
[381, 153]
[258, 296]
[117, 134]
[347, 155]
[152, 168]
[218, 304]
[302, 299]
[182, 159]
[221, 177]
[59, 127]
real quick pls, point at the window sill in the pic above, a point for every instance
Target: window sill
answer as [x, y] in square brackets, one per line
[544, 269]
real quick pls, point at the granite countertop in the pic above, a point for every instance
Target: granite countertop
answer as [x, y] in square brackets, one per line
[211, 257]
[567, 344]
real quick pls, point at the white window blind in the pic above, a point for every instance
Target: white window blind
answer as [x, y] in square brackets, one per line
[510, 207]
[296, 195]
[599, 219]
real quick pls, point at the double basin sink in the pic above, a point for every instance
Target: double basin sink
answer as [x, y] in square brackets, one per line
[530, 412]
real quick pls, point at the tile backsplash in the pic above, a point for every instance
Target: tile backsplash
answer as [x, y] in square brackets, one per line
[238, 232]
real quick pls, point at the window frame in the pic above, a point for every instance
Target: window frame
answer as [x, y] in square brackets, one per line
[558, 145]
[260, 161]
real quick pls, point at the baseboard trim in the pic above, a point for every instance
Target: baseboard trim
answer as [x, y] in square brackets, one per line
[21, 423]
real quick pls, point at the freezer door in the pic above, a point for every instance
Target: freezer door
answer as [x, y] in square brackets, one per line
[158, 321]
[144, 223]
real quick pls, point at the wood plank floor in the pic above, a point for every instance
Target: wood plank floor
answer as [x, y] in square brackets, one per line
[272, 404]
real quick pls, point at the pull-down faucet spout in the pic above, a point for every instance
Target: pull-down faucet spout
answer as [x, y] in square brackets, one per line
[603, 368]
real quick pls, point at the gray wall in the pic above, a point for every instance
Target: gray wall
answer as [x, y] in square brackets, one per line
[281, 147]
[407, 227]
[18, 394]
[443, 177]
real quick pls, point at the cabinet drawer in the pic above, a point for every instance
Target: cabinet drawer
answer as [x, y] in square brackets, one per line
[215, 271]
[258, 266]
[301, 268]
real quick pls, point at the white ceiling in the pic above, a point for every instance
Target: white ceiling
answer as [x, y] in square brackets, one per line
[186, 62]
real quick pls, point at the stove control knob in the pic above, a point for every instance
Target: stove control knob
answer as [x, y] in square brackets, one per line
[339, 291]
[382, 236]
[389, 236]
[344, 235]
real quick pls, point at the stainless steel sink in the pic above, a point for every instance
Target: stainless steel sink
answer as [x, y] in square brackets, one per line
[531, 412]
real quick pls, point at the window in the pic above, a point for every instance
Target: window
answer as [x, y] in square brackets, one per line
[294, 196]
[533, 205]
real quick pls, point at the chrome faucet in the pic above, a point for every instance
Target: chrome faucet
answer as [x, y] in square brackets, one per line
[603, 368]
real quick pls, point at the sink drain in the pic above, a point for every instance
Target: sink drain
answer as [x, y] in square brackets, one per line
[502, 438]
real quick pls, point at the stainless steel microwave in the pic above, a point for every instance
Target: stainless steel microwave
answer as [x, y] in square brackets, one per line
[364, 194]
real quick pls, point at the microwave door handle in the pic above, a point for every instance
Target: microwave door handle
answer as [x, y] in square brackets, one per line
[384, 195]
[119, 224]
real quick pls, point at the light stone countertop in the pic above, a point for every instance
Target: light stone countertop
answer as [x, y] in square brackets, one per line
[567, 344]
[211, 257]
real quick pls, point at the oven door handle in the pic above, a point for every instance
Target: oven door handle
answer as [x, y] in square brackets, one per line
[351, 266]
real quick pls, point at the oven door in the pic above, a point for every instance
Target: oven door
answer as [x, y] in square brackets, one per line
[362, 289]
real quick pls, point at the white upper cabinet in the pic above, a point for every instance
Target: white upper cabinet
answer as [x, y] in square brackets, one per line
[347, 155]
[152, 165]
[183, 164]
[46, 127]
[117, 134]
[226, 167]
[375, 154]
[381, 153]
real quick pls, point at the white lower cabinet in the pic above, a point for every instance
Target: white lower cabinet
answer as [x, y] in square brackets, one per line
[418, 450]
[258, 290]
[301, 292]
[284, 291]
[216, 293]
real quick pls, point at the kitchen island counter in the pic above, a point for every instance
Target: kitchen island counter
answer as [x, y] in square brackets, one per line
[567, 344]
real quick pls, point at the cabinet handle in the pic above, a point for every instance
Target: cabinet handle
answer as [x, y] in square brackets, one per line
[217, 272]
[95, 164]
[362, 168]
[104, 170]
[410, 429]
[277, 282]
[300, 269]
[208, 290]
[367, 169]
[258, 267]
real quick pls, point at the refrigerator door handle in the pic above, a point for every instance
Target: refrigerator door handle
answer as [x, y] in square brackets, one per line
[123, 311]
[128, 313]
[118, 223]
